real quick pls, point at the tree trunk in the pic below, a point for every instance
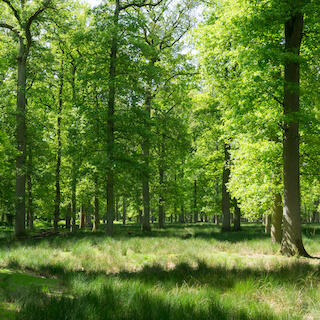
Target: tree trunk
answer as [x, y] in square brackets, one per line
[161, 199]
[181, 215]
[96, 221]
[225, 194]
[56, 216]
[124, 210]
[82, 217]
[276, 223]
[267, 226]
[68, 217]
[73, 201]
[237, 218]
[195, 207]
[20, 205]
[292, 238]
[110, 121]
[30, 198]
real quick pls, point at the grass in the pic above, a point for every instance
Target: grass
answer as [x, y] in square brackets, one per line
[182, 272]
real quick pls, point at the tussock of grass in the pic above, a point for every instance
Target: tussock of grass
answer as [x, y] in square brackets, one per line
[164, 275]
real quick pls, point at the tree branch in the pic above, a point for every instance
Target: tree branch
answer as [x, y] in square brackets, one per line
[140, 5]
[14, 11]
[9, 27]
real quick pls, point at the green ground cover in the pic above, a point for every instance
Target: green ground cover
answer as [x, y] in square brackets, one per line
[182, 272]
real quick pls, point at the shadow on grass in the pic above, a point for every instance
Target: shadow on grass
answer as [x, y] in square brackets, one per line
[137, 296]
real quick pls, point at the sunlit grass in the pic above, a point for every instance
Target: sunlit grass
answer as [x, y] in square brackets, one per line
[183, 272]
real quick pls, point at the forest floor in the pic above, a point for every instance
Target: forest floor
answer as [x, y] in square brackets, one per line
[183, 272]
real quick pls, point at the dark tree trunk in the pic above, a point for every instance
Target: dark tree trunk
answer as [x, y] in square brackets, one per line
[292, 238]
[20, 205]
[182, 215]
[237, 218]
[225, 194]
[82, 217]
[124, 210]
[30, 197]
[276, 221]
[96, 221]
[110, 121]
[56, 216]
[73, 202]
[195, 206]
[161, 199]
[68, 217]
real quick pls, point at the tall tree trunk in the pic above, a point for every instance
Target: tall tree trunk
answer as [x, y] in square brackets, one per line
[182, 214]
[82, 217]
[96, 221]
[30, 197]
[195, 207]
[276, 221]
[56, 216]
[68, 217]
[161, 199]
[237, 217]
[110, 121]
[225, 194]
[73, 201]
[292, 238]
[20, 205]
[124, 210]
[267, 226]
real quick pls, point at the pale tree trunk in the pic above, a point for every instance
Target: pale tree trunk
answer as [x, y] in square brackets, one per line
[20, 205]
[56, 216]
[225, 194]
[267, 226]
[276, 223]
[292, 237]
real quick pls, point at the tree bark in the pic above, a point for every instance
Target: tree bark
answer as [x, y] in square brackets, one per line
[56, 216]
[182, 214]
[20, 205]
[30, 196]
[96, 221]
[195, 207]
[292, 238]
[68, 217]
[161, 199]
[276, 221]
[237, 218]
[267, 226]
[225, 194]
[124, 210]
[110, 121]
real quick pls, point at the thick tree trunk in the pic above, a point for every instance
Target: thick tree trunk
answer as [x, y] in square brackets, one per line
[276, 221]
[292, 238]
[20, 205]
[225, 194]
[195, 206]
[237, 218]
[96, 221]
[56, 216]
[110, 121]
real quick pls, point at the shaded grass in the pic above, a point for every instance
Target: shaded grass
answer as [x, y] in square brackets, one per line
[183, 272]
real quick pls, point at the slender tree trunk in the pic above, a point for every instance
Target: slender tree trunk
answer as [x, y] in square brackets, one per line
[20, 205]
[56, 216]
[30, 197]
[276, 221]
[267, 226]
[182, 214]
[124, 210]
[161, 199]
[96, 221]
[68, 217]
[82, 217]
[195, 207]
[292, 238]
[110, 121]
[73, 201]
[237, 218]
[225, 194]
